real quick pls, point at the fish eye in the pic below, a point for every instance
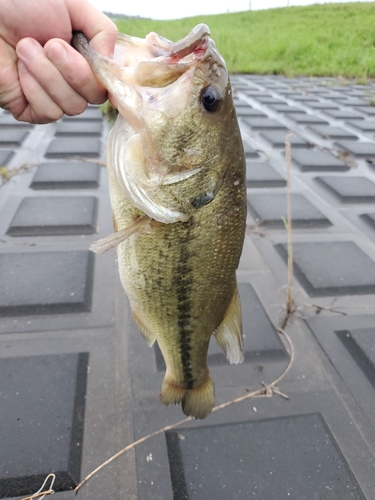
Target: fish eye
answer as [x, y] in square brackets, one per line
[211, 99]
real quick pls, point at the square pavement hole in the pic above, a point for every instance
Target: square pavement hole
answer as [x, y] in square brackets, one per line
[249, 151]
[350, 189]
[264, 124]
[12, 137]
[367, 110]
[360, 149]
[260, 340]
[277, 139]
[364, 126]
[369, 218]
[42, 421]
[322, 105]
[61, 148]
[56, 215]
[313, 160]
[270, 100]
[353, 102]
[45, 282]
[244, 112]
[292, 457]
[270, 210]
[305, 119]
[66, 175]
[344, 114]
[360, 344]
[5, 157]
[329, 132]
[90, 128]
[332, 268]
[261, 174]
[285, 108]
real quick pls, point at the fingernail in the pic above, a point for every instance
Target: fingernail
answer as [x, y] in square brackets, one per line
[27, 48]
[57, 53]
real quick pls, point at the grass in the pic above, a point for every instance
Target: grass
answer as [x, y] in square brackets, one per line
[318, 40]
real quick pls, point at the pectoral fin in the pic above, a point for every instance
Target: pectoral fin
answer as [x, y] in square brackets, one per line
[228, 335]
[114, 239]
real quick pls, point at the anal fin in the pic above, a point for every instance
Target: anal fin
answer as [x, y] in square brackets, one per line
[148, 336]
[228, 335]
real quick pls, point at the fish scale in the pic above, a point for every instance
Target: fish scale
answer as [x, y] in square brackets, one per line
[176, 169]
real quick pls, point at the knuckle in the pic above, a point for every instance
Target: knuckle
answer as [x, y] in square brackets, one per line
[77, 109]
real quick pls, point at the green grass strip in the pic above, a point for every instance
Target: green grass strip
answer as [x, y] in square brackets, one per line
[318, 40]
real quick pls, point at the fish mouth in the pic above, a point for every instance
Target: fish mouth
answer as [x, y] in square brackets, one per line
[158, 62]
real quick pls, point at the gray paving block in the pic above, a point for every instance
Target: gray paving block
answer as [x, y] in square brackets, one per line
[250, 112]
[344, 114]
[332, 268]
[363, 125]
[313, 160]
[55, 216]
[304, 119]
[285, 108]
[41, 421]
[45, 282]
[67, 175]
[261, 174]
[264, 124]
[349, 343]
[91, 128]
[7, 121]
[270, 210]
[293, 457]
[350, 189]
[333, 132]
[277, 139]
[12, 137]
[249, 151]
[91, 113]
[5, 157]
[360, 149]
[61, 148]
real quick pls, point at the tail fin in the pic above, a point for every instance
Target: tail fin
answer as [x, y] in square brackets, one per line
[197, 403]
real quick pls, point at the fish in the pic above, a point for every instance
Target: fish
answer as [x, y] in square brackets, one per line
[176, 169]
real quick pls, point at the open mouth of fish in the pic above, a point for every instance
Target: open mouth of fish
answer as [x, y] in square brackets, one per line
[142, 66]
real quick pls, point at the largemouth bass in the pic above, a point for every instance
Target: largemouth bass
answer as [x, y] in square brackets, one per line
[176, 169]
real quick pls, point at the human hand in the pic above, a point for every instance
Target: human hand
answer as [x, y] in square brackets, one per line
[41, 75]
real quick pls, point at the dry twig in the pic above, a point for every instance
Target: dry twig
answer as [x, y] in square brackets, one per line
[41, 494]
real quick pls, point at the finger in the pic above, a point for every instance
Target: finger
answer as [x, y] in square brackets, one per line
[40, 107]
[11, 95]
[98, 28]
[75, 70]
[49, 77]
